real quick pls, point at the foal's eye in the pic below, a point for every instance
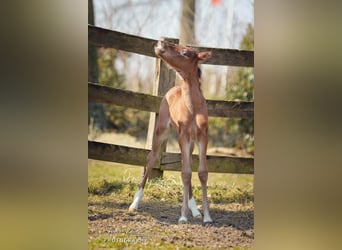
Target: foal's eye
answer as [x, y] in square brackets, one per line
[185, 52]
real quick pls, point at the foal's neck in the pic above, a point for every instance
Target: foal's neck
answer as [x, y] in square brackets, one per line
[191, 92]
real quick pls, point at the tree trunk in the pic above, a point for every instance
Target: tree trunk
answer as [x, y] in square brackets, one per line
[187, 25]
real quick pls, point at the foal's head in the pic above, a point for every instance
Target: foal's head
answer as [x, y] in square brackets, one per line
[183, 59]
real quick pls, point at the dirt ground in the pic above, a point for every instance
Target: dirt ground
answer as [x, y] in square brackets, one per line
[156, 224]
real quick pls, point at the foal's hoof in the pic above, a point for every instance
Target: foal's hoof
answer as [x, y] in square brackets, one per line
[207, 222]
[182, 220]
[132, 208]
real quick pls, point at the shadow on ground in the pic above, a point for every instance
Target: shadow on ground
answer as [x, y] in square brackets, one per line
[168, 213]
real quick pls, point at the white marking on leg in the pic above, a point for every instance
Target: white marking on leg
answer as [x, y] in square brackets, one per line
[193, 207]
[137, 198]
[182, 219]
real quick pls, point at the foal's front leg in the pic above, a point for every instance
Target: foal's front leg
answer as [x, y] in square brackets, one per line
[185, 147]
[192, 204]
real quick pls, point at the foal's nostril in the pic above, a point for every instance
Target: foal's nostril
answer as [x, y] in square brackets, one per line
[160, 43]
[159, 48]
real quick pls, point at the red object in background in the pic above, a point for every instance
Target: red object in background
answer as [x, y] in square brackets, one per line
[216, 2]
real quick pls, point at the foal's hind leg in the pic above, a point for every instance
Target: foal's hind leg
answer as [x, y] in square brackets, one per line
[203, 176]
[153, 158]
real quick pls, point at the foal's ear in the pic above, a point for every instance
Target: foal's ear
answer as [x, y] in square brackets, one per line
[203, 56]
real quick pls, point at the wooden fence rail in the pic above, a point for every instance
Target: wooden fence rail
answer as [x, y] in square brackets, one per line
[169, 161]
[130, 99]
[164, 80]
[145, 46]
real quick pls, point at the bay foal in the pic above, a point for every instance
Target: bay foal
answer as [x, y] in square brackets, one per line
[184, 108]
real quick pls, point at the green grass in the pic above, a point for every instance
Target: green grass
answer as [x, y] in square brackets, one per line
[123, 180]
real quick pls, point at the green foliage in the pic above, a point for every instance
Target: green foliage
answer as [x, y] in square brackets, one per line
[238, 132]
[247, 42]
[107, 73]
[241, 88]
[232, 132]
[122, 119]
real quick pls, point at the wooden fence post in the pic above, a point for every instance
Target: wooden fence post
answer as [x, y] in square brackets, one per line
[164, 80]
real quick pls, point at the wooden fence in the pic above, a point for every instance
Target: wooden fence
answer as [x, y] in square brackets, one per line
[164, 80]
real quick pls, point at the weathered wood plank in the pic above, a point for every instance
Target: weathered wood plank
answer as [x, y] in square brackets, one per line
[130, 99]
[115, 153]
[230, 109]
[169, 161]
[229, 57]
[216, 164]
[145, 46]
[121, 41]
[121, 97]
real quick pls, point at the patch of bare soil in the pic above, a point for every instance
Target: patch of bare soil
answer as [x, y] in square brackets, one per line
[157, 223]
